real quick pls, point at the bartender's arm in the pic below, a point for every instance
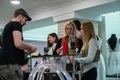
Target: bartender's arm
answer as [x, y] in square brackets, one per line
[29, 48]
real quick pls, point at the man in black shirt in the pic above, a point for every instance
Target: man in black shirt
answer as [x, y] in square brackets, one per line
[13, 61]
[77, 24]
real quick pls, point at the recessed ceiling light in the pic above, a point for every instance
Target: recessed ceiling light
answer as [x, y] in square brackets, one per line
[15, 2]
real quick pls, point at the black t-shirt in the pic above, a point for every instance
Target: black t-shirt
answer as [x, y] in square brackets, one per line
[11, 54]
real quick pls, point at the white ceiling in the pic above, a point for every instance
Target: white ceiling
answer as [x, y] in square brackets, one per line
[7, 9]
[103, 9]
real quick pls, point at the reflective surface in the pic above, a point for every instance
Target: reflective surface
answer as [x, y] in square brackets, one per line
[47, 69]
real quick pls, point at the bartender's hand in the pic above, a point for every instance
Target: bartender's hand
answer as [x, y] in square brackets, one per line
[26, 51]
[31, 50]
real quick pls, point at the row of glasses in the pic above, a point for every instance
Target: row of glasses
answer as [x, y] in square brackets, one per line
[45, 65]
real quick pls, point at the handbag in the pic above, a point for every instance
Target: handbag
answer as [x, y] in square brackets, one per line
[97, 56]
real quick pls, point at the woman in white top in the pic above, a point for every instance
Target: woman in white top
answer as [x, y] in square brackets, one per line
[88, 52]
[51, 42]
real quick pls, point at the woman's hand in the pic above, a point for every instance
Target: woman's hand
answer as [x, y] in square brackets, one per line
[59, 50]
[71, 59]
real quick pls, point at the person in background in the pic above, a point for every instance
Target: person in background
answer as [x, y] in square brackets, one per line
[77, 24]
[13, 61]
[88, 52]
[51, 42]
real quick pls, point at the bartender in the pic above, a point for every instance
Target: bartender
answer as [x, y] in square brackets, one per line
[12, 58]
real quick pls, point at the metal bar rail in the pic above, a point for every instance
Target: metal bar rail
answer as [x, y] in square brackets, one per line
[64, 62]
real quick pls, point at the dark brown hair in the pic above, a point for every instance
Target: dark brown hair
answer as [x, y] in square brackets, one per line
[53, 35]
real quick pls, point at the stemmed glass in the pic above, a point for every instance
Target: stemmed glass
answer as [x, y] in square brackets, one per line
[48, 66]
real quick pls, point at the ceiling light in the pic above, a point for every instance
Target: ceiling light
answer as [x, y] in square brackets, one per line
[16, 2]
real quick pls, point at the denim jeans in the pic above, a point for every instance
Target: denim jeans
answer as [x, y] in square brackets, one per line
[11, 72]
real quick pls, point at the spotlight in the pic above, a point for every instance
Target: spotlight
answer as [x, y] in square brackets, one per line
[15, 2]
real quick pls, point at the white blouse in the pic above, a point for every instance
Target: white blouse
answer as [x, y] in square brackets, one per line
[52, 49]
[88, 60]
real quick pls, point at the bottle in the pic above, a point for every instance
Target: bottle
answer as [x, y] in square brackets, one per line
[72, 44]
[65, 48]
[72, 49]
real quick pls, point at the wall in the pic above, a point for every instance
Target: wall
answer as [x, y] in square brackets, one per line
[112, 22]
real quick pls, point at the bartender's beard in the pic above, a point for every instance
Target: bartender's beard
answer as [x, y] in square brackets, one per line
[22, 24]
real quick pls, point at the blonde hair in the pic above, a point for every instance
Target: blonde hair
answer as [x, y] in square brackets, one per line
[74, 28]
[66, 36]
[88, 31]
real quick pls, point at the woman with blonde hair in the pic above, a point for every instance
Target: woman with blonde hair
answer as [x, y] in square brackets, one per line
[73, 43]
[88, 52]
[69, 37]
